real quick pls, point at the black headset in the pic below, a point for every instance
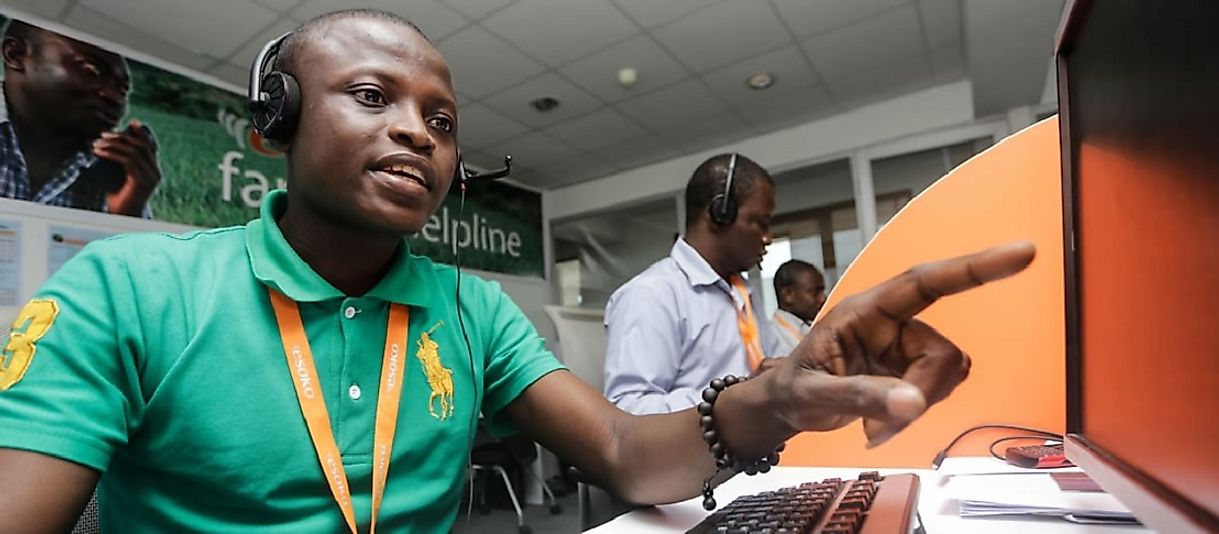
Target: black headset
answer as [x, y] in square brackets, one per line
[275, 104]
[723, 206]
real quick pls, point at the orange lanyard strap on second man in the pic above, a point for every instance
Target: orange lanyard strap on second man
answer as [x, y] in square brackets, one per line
[791, 328]
[313, 406]
[748, 325]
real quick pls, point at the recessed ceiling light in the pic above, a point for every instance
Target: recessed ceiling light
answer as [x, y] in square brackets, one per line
[759, 80]
[544, 103]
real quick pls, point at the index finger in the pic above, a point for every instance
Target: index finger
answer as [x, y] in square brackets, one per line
[904, 296]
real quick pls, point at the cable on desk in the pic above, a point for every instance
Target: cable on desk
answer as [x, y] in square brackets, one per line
[939, 458]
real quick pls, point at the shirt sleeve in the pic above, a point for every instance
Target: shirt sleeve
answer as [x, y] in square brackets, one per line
[69, 385]
[516, 357]
[644, 353]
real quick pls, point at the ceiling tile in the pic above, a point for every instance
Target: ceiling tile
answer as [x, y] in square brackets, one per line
[533, 149]
[598, 73]
[94, 23]
[948, 62]
[941, 21]
[235, 74]
[651, 13]
[796, 107]
[861, 47]
[282, 6]
[556, 33]
[672, 106]
[722, 34]
[787, 65]
[806, 18]
[250, 49]
[707, 132]
[514, 102]
[480, 127]
[596, 130]
[240, 20]
[47, 9]
[884, 82]
[435, 19]
[482, 63]
[637, 151]
[477, 9]
[579, 168]
[531, 177]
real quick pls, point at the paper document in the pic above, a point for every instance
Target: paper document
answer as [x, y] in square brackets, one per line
[972, 508]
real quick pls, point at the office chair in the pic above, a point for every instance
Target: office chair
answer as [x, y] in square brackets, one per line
[582, 345]
[512, 452]
[88, 523]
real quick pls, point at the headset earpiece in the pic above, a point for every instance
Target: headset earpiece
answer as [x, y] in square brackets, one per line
[277, 120]
[274, 96]
[723, 206]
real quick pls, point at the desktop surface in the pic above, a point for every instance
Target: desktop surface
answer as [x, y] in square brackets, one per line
[940, 493]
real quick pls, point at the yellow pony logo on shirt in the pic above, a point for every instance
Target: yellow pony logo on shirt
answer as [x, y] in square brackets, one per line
[439, 378]
[30, 325]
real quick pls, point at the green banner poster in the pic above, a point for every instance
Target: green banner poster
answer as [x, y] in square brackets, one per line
[215, 170]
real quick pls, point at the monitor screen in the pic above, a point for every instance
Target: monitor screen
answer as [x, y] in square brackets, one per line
[1139, 101]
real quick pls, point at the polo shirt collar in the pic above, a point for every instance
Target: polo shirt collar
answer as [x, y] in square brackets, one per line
[697, 270]
[277, 265]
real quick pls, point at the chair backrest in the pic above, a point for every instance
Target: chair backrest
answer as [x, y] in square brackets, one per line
[582, 342]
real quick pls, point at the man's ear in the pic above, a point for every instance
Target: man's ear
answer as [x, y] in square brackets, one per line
[15, 53]
[282, 146]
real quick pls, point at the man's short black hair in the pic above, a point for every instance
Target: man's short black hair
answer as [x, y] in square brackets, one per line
[285, 61]
[708, 181]
[788, 273]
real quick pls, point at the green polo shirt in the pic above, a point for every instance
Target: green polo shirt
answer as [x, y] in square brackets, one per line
[156, 359]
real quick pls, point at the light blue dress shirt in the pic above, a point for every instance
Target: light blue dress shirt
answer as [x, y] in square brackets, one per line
[785, 339]
[671, 330]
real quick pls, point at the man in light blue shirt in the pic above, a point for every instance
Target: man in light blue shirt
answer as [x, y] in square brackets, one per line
[681, 322]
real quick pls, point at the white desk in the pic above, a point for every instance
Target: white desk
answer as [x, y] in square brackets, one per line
[938, 499]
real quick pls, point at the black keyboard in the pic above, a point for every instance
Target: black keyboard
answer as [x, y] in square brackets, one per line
[870, 504]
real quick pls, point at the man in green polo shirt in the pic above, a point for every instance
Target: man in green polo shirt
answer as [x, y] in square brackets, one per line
[306, 373]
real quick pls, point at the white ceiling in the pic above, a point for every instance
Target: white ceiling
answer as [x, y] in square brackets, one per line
[692, 56]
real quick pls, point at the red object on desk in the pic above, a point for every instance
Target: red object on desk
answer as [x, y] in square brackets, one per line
[1038, 456]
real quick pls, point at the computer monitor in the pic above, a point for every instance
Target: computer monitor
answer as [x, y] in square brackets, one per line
[1138, 86]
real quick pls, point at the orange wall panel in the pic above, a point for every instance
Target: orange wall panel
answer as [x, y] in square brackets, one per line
[1012, 329]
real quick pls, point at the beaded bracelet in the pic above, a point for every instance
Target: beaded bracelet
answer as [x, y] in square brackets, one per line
[723, 458]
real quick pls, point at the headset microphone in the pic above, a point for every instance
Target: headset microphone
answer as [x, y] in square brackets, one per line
[468, 176]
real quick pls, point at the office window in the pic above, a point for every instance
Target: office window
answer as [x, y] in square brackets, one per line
[603, 251]
[897, 179]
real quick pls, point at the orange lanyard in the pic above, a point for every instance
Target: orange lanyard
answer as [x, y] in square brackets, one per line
[748, 325]
[309, 394]
[791, 329]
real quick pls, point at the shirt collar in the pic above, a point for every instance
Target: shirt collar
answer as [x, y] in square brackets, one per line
[277, 265]
[697, 270]
[791, 318]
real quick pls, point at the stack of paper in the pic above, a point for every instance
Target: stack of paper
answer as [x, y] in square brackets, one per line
[976, 508]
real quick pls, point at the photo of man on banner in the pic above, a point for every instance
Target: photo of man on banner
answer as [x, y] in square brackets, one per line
[61, 141]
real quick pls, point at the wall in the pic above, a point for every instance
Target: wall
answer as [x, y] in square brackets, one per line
[930, 109]
[36, 221]
[813, 186]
